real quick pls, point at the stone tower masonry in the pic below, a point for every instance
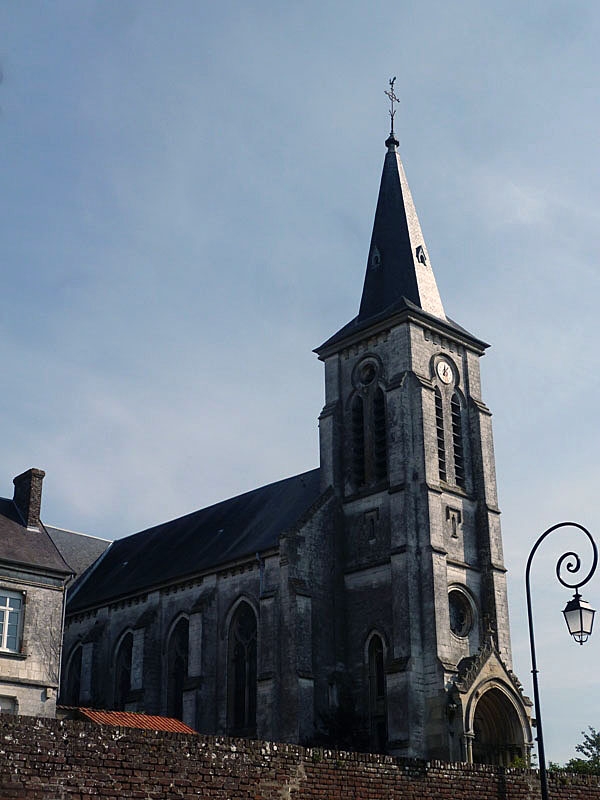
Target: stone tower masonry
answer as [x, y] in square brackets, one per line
[406, 442]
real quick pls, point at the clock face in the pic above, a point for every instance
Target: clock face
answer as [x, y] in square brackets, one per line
[444, 371]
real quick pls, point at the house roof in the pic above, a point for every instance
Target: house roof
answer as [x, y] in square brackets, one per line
[127, 719]
[78, 549]
[27, 547]
[241, 526]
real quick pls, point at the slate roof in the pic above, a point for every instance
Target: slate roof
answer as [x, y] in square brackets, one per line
[24, 547]
[78, 549]
[213, 536]
[398, 277]
[403, 305]
[128, 719]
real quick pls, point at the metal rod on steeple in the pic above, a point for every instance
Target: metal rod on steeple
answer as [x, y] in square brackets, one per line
[393, 99]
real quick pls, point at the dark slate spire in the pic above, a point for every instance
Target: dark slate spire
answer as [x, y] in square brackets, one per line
[398, 265]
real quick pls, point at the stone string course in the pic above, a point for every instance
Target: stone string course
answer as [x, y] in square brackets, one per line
[45, 759]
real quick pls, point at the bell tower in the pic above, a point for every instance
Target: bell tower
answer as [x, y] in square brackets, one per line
[406, 444]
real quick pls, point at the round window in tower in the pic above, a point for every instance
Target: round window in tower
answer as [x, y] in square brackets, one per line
[461, 613]
[367, 373]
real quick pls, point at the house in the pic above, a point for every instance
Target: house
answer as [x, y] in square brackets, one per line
[33, 577]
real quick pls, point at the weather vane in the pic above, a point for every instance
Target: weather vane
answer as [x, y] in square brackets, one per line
[393, 99]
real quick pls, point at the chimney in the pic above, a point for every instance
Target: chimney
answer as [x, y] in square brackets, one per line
[28, 495]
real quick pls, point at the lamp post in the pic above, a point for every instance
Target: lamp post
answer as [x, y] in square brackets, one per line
[579, 616]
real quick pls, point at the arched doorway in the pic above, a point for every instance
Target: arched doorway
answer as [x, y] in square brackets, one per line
[498, 732]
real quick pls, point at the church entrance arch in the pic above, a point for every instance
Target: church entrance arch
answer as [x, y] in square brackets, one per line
[498, 736]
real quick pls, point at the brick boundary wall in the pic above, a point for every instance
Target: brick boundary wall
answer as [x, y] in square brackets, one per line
[44, 759]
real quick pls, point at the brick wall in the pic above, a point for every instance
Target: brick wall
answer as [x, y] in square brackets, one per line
[42, 759]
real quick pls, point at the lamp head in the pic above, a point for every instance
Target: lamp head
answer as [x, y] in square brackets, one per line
[579, 616]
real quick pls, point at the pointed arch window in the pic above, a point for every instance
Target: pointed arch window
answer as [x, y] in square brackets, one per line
[242, 669]
[457, 441]
[377, 694]
[177, 667]
[439, 426]
[123, 671]
[369, 455]
[73, 682]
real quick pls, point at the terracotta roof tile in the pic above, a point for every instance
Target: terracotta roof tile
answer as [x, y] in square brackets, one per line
[128, 719]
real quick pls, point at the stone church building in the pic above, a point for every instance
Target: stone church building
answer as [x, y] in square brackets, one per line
[365, 598]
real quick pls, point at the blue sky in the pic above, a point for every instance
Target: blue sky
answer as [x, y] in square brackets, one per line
[187, 194]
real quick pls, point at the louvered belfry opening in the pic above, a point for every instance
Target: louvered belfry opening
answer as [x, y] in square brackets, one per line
[441, 445]
[358, 441]
[379, 436]
[457, 441]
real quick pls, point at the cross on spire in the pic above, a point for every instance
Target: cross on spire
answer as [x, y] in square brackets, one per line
[393, 99]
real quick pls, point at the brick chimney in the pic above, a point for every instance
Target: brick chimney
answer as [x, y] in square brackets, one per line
[28, 495]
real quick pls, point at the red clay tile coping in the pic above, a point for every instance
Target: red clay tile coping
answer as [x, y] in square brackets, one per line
[127, 719]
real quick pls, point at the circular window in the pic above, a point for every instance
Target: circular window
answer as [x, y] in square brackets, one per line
[367, 373]
[461, 613]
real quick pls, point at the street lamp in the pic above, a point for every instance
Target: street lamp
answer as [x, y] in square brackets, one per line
[579, 616]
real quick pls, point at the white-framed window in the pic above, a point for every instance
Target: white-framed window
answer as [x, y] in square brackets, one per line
[11, 621]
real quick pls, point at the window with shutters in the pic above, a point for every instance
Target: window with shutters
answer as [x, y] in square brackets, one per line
[457, 441]
[439, 426]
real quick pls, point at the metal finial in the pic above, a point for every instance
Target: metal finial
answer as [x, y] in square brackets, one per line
[393, 99]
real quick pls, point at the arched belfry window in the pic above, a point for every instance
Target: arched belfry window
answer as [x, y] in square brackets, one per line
[457, 440]
[241, 677]
[377, 694]
[439, 427]
[123, 658]
[177, 667]
[368, 427]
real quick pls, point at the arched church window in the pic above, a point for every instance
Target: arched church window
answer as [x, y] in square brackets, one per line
[457, 441]
[358, 441]
[441, 444]
[73, 681]
[377, 694]
[177, 667]
[123, 671]
[241, 684]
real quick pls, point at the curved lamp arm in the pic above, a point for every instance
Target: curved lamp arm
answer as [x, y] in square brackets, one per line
[572, 564]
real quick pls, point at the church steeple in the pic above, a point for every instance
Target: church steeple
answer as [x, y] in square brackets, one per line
[398, 267]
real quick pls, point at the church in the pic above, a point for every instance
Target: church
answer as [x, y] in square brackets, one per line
[362, 604]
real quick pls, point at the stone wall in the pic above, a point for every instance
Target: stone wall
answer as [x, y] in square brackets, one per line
[43, 759]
